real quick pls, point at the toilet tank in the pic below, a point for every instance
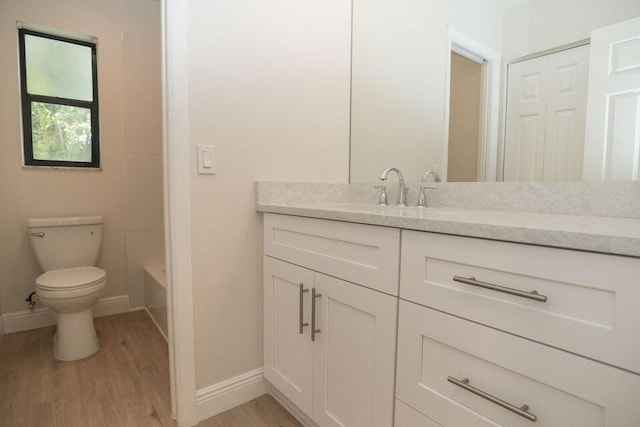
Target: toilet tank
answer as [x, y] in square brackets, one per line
[66, 242]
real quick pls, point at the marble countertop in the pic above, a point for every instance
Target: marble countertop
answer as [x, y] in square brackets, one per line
[590, 233]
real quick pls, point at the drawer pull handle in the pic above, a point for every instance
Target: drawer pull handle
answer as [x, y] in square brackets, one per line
[301, 311]
[314, 331]
[522, 410]
[534, 295]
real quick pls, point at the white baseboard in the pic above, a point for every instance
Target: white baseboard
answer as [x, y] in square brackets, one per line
[41, 317]
[1, 325]
[153, 319]
[111, 305]
[297, 413]
[222, 396]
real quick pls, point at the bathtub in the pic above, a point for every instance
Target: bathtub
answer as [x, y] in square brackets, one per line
[155, 294]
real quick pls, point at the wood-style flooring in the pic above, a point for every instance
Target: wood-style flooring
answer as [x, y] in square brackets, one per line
[125, 384]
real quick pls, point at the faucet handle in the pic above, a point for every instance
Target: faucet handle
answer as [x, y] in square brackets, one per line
[382, 201]
[426, 184]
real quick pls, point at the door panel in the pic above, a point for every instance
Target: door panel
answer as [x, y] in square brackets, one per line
[566, 110]
[612, 145]
[526, 118]
[288, 357]
[354, 355]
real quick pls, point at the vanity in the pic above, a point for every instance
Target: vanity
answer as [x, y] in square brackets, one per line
[450, 317]
[499, 304]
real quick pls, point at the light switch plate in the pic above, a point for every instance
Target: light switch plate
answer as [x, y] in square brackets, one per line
[206, 159]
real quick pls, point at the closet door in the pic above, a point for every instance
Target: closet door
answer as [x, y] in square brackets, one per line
[354, 355]
[568, 72]
[526, 119]
[288, 357]
[546, 110]
[612, 150]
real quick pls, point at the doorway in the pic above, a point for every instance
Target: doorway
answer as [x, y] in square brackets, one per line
[471, 110]
[464, 118]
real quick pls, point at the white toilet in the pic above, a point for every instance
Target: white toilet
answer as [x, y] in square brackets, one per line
[67, 250]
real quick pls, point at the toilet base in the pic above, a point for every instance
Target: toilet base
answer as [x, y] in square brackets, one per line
[76, 336]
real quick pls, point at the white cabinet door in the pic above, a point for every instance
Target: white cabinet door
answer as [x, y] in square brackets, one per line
[612, 146]
[354, 355]
[288, 354]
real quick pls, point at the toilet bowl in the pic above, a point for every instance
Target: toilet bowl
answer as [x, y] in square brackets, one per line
[72, 293]
[67, 249]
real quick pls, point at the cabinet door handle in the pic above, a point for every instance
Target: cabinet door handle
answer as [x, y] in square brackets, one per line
[314, 331]
[522, 410]
[534, 295]
[301, 311]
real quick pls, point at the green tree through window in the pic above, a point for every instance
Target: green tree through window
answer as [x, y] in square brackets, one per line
[59, 101]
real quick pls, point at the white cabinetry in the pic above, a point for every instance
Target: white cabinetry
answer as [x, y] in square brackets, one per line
[586, 303]
[459, 372]
[560, 388]
[489, 333]
[288, 353]
[333, 356]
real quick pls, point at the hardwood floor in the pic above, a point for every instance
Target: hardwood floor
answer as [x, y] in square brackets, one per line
[125, 384]
[261, 412]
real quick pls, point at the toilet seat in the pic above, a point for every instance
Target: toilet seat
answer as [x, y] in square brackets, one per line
[68, 279]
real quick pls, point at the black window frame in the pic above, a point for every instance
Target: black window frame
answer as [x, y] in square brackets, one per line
[27, 99]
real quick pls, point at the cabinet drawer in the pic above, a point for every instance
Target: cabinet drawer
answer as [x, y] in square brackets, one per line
[561, 389]
[591, 299]
[363, 254]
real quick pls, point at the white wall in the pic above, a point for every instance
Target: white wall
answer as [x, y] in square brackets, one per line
[542, 24]
[399, 86]
[269, 86]
[41, 192]
[142, 126]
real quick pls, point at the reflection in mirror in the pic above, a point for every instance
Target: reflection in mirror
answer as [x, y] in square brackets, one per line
[415, 108]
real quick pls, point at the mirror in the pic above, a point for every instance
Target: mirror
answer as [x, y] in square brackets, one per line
[419, 66]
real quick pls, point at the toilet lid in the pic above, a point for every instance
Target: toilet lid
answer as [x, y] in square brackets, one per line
[70, 278]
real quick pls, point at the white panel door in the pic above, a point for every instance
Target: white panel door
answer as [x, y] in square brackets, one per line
[288, 352]
[526, 118]
[612, 146]
[568, 72]
[354, 355]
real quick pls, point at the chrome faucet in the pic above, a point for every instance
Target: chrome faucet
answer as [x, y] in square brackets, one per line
[424, 183]
[402, 189]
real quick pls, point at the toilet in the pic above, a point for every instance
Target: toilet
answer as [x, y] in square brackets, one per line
[67, 249]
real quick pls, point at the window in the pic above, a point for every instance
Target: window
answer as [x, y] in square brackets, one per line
[58, 82]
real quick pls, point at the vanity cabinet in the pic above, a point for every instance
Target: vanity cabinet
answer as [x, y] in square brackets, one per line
[489, 333]
[333, 356]
[475, 316]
